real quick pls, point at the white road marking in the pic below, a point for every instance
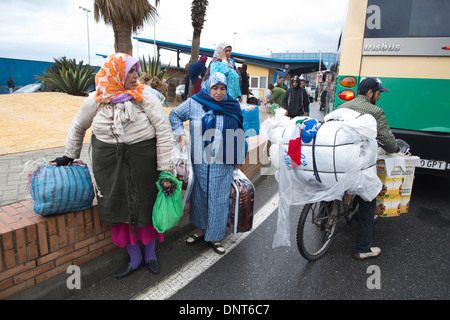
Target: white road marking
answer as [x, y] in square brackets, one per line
[191, 270]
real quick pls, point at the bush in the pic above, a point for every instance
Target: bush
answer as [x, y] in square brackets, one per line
[66, 76]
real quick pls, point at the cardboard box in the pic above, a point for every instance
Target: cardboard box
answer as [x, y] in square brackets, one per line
[396, 173]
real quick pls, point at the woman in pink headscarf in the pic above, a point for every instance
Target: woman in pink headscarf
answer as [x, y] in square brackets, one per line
[197, 73]
[132, 142]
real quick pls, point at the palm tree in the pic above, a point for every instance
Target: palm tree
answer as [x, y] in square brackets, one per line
[125, 16]
[198, 12]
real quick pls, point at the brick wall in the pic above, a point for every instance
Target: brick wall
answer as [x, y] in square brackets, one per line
[34, 248]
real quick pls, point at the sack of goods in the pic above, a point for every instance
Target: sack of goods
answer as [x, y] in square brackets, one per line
[250, 114]
[327, 152]
[339, 153]
[61, 189]
[242, 197]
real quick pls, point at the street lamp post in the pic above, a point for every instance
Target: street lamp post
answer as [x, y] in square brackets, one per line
[87, 24]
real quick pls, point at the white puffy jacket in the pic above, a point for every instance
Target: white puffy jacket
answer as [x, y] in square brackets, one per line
[128, 122]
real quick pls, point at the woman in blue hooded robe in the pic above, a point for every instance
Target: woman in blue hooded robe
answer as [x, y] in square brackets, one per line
[212, 113]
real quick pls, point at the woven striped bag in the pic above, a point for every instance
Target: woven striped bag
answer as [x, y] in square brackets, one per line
[61, 189]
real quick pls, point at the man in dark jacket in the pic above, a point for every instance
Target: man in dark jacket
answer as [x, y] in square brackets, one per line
[295, 101]
[11, 85]
[369, 92]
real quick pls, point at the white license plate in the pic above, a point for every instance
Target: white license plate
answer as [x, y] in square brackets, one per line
[433, 164]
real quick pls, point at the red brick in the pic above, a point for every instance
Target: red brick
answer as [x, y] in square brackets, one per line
[54, 255]
[97, 223]
[89, 229]
[62, 230]
[51, 273]
[100, 244]
[42, 236]
[31, 233]
[33, 250]
[51, 224]
[71, 227]
[21, 246]
[33, 272]
[88, 257]
[5, 284]
[4, 227]
[71, 256]
[80, 225]
[16, 270]
[1, 260]
[10, 260]
[7, 239]
[53, 242]
[15, 289]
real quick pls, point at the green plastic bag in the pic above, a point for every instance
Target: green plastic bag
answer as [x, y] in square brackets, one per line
[167, 210]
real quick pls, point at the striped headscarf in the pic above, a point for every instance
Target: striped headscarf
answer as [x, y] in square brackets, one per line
[110, 80]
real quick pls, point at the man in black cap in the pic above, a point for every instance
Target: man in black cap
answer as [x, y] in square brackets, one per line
[369, 91]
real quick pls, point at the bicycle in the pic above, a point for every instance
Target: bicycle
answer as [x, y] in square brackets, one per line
[318, 222]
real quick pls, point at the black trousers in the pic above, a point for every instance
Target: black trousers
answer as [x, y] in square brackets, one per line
[366, 216]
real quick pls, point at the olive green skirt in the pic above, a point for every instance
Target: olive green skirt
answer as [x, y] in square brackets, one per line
[125, 178]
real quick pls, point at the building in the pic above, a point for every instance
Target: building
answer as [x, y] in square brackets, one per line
[262, 70]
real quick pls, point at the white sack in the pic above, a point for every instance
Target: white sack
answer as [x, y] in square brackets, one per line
[346, 150]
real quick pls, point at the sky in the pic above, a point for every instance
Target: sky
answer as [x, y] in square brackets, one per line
[47, 29]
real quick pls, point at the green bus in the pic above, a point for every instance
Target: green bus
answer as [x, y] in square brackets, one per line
[406, 44]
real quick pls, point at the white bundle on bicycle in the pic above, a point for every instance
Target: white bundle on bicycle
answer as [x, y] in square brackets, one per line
[345, 143]
[341, 157]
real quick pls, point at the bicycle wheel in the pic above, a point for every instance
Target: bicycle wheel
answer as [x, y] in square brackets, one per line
[316, 227]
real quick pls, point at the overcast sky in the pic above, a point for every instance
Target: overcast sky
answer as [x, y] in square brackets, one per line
[42, 30]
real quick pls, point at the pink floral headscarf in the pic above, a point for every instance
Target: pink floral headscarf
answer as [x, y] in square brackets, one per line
[110, 80]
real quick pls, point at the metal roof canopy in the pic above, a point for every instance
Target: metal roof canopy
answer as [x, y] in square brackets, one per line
[283, 67]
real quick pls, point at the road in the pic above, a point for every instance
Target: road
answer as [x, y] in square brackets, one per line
[413, 263]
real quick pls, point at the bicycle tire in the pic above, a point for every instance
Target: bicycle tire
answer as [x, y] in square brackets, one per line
[314, 237]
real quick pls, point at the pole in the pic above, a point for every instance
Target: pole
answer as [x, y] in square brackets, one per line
[87, 28]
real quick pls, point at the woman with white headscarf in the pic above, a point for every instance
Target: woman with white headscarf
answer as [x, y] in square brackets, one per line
[223, 63]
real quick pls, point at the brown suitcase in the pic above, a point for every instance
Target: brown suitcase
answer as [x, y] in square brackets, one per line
[242, 196]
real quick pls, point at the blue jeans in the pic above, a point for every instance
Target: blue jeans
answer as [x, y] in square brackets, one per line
[365, 225]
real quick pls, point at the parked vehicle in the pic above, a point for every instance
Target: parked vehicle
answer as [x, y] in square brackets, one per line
[33, 87]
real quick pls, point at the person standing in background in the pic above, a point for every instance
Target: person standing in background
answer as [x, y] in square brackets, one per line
[245, 83]
[223, 63]
[11, 85]
[186, 80]
[196, 73]
[280, 83]
[295, 101]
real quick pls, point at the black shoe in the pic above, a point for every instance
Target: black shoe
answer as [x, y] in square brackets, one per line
[153, 266]
[126, 271]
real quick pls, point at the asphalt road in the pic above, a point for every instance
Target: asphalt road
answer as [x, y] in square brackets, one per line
[414, 263]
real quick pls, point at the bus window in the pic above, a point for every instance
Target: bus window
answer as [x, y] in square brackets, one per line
[406, 44]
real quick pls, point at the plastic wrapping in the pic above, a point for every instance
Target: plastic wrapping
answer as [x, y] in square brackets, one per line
[184, 171]
[341, 158]
[167, 210]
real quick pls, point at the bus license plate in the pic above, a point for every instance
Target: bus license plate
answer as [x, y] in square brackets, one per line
[433, 164]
